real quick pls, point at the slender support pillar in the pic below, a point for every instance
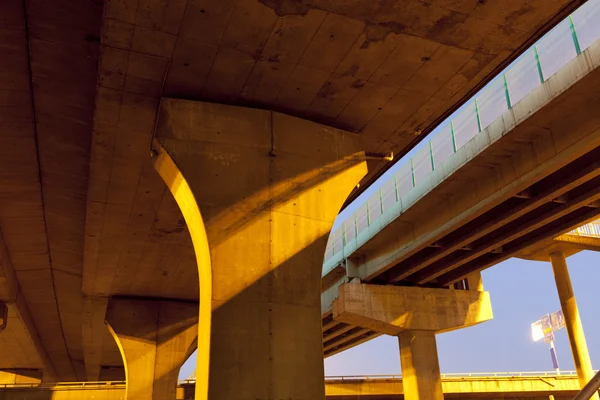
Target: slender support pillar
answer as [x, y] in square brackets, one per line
[421, 378]
[568, 303]
[267, 188]
[154, 337]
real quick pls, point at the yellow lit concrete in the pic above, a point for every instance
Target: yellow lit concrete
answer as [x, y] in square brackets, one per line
[20, 376]
[568, 244]
[568, 303]
[392, 309]
[155, 338]
[267, 187]
[420, 365]
[460, 387]
[413, 314]
[480, 207]
[99, 68]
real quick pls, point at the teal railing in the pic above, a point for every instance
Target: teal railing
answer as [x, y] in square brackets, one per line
[552, 52]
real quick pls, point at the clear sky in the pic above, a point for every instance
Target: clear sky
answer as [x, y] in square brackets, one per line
[521, 291]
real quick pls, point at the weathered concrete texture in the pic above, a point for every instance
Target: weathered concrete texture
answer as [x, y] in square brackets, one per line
[545, 131]
[472, 388]
[568, 304]
[567, 244]
[530, 176]
[65, 393]
[420, 365]
[562, 387]
[20, 376]
[268, 187]
[394, 309]
[414, 314]
[19, 334]
[155, 338]
[94, 311]
[384, 73]
[46, 108]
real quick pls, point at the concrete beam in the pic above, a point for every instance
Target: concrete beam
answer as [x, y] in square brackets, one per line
[20, 376]
[499, 387]
[344, 339]
[503, 237]
[394, 309]
[17, 324]
[539, 141]
[533, 202]
[154, 337]
[93, 328]
[259, 191]
[549, 231]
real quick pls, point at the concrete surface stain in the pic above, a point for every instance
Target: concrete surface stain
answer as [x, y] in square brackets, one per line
[378, 32]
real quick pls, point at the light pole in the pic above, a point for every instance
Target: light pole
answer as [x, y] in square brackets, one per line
[544, 328]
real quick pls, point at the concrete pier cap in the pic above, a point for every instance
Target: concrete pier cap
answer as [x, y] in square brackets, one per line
[259, 191]
[393, 309]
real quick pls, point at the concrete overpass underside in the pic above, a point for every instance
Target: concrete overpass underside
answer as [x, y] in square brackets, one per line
[351, 388]
[83, 214]
[538, 178]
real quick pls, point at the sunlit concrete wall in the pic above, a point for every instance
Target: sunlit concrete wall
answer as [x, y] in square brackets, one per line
[458, 388]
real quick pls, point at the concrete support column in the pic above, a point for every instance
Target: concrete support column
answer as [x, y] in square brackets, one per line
[259, 191]
[568, 303]
[475, 282]
[155, 338]
[421, 378]
[414, 315]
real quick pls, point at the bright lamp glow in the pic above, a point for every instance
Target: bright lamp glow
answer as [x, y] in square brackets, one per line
[536, 331]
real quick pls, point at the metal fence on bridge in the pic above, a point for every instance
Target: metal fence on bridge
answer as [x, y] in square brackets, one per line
[475, 375]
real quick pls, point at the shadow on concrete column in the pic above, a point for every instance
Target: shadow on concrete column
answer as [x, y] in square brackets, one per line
[259, 191]
[155, 338]
[568, 303]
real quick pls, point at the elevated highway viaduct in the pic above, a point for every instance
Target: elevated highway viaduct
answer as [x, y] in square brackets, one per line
[260, 118]
[529, 386]
[507, 192]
